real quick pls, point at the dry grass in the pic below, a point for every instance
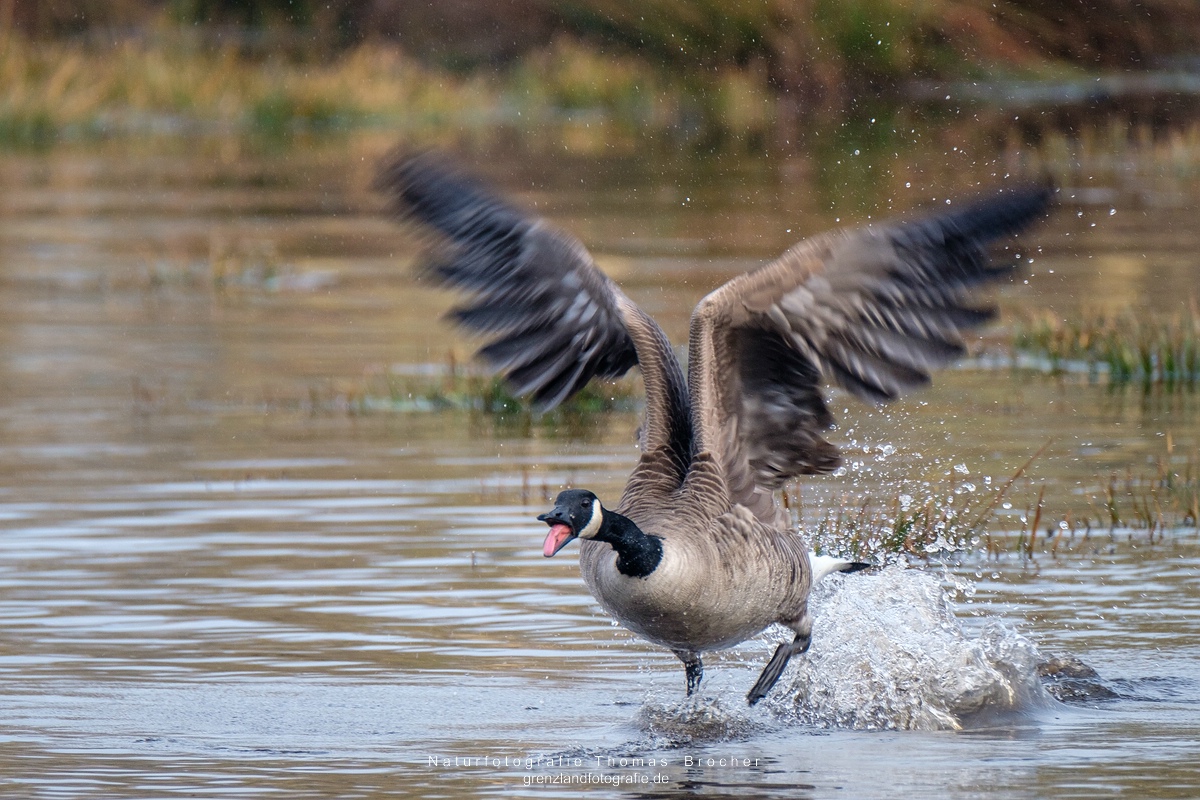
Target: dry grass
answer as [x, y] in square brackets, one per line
[681, 64]
[1168, 496]
[172, 83]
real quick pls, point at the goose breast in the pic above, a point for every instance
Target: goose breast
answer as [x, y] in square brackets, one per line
[712, 589]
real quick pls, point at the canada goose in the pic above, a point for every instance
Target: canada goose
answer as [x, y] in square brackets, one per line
[698, 555]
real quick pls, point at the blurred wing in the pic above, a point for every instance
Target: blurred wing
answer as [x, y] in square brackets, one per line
[873, 310]
[555, 321]
[553, 318]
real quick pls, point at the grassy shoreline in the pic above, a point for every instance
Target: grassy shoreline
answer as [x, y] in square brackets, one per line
[1127, 349]
[171, 81]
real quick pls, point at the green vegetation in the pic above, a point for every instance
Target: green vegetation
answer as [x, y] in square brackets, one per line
[810, 49]
[1152, 351]
[828, 44]
[459, 389]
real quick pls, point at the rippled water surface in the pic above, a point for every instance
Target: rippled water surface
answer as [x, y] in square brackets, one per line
[235, 561]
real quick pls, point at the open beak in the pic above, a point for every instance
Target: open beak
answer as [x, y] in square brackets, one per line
[560, 533]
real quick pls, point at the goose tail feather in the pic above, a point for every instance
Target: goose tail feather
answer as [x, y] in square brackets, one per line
[823, 566]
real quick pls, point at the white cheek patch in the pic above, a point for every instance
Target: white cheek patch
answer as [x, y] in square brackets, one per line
[593, 526]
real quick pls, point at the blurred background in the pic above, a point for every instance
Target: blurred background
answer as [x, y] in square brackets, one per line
[262, 519]
[753, 72]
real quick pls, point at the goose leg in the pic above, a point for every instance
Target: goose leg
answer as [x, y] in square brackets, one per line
[776, 666]
[694, 669]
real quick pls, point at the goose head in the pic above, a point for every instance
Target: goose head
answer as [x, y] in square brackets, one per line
[576, 513]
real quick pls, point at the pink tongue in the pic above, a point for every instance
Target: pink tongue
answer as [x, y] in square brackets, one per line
[555, 539]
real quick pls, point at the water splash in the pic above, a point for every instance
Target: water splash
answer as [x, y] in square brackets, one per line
[696, 719]
[889, 653]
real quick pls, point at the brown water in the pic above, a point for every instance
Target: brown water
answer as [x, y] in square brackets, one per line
[228, 567]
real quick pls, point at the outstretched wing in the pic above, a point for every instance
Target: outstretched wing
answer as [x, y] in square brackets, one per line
[872, 310]
[554, 320]
[552, 315]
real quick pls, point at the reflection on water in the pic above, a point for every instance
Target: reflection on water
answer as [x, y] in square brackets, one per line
[218, 575]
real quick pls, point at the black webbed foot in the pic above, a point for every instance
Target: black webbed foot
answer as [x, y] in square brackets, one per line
[776, 666]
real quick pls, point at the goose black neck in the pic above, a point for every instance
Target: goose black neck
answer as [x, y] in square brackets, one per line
[638, 553]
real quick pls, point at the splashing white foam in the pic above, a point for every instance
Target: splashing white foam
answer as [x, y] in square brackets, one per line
[889, 653]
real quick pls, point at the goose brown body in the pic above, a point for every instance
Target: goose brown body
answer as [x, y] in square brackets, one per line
[721, 580]
[698, 555]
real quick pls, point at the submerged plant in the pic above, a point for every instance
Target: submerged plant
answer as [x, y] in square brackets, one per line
[455, 388]
[1166, 497]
